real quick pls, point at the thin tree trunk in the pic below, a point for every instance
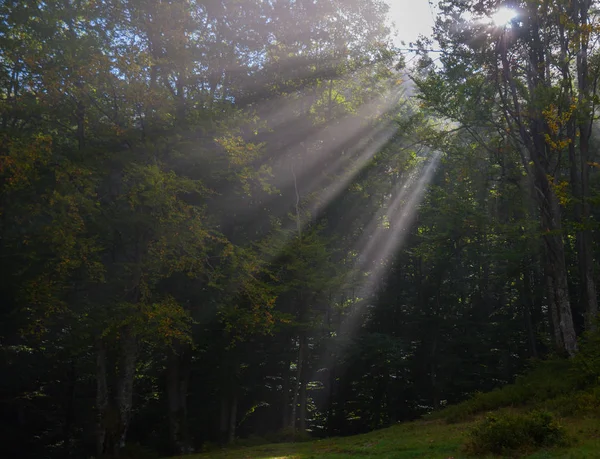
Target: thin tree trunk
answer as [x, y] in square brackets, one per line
[330, 397]
[177, 387]
[224, 418]
[232, 419]
[69, 408]
[433, 375]
[124, 399]
[578, 217]
[101, 398]
[590, 299]
[528, 312]
[298, 381]
[173, 401]
[554, 318]
[285, 411]
[302, 395]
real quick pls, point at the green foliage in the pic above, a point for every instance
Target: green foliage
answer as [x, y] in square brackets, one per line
[586, 364]
[575, 403]
[509, 433]
[545, 381]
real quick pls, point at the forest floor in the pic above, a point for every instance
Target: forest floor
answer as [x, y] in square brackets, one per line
[419, 439]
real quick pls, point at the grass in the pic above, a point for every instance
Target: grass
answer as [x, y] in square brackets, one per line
[554, 386]
[424, 439]
[420, 439]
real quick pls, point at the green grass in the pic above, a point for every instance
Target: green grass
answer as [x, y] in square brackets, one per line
[421, 439]
[554, 386]
[424, 439]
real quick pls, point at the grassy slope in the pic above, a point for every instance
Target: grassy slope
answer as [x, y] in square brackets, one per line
[549, 386]
[421, 439]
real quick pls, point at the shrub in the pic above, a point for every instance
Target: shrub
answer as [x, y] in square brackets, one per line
[575, 403]
[545, 381]
[509, 433]
[586, 364]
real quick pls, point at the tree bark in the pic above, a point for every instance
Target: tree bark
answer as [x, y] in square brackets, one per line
[69, 408]
[232, 419]
[285, 396]
[224, 418]
[585, 118]
[558, 292]
[528, 312]
[301, 350]
[124, 395]
[101, 397]
[178, 372]
[302, 400]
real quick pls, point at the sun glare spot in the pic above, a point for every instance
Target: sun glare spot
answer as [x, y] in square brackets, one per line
[503, 17]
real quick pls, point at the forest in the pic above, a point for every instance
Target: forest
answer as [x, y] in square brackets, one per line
[233, 219]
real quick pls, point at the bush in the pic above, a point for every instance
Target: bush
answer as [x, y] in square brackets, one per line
[545, 381]
[586, 364]
[575, 403]
[509, 433]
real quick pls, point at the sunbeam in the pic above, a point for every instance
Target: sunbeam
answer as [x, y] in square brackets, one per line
[333, 153]
[379, 244]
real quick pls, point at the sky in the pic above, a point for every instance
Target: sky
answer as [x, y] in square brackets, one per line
[412, 18]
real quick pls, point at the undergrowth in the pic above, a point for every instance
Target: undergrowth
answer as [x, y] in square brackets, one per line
[538, 385]
[509, 433]
[565, 387]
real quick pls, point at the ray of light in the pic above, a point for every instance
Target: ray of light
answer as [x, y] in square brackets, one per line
[336, 151]
[368, 146]
[379, 244]
[346, 166]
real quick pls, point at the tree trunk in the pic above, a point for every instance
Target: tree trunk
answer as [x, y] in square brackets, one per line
[101, 398]
[330, 397]
[435, 399]
[69, 408]
[578, 217]
[285, 411]
[224, 418]
[557, 272]
[590, 300]
[124, 396]
[302, 402]
[232, 419]
[297, 389]
[178, 372]
[528, 306]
